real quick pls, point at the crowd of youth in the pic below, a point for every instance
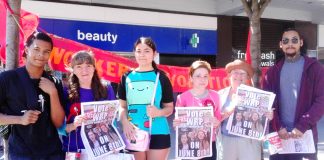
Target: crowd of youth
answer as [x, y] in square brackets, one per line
[296, 80]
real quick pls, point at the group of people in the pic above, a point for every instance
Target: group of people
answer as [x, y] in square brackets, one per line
[36, 104]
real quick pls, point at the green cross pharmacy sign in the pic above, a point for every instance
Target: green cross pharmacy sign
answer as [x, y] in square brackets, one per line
[194, 40]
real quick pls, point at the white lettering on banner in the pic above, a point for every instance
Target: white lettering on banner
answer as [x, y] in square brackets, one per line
[194, 145]
[103, 37]
[98, 117]
[114, 145]
[238, 130]
[195, 118]
[186, 153]
[100, 150]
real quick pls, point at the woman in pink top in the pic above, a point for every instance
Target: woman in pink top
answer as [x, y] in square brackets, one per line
[200, 95]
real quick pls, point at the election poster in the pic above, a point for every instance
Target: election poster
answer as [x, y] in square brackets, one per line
[249, 118]
[302, 145]
[305, 144]
[99, 135]
[194, 133]
[273, 142]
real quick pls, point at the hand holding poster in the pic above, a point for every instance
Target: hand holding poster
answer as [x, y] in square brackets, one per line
[249, 118]
[193, 135]
[274, 143]
[98, 133]
[305, 144]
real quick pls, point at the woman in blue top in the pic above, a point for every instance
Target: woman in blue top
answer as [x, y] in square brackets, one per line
[135, 93]
[84, 86]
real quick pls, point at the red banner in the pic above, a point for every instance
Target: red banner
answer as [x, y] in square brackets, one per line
[28, 23]
[3, 17]
[111, 67]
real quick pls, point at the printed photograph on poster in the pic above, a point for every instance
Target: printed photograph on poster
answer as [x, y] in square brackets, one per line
[248, 119]
[274, 142]
[305, 144]
[193, 135]
[98, 133]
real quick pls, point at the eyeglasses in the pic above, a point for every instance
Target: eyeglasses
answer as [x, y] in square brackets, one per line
[294, 40]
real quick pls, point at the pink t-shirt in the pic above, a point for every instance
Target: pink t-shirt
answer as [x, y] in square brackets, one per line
[187, 99]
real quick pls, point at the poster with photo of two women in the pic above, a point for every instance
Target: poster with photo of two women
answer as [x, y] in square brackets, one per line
[249, 118]
[194, 133]
[99, 135]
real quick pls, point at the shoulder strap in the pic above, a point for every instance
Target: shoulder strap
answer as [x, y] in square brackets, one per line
[155, 87]
[153, 97]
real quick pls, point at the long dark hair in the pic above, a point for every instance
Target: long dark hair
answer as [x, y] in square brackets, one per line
[39, 36]
[149, 42]
[99, 91]
[180, 142]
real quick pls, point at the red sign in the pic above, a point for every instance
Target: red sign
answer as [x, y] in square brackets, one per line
[111, 67]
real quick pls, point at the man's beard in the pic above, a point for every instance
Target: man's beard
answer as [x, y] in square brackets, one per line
[293, 54]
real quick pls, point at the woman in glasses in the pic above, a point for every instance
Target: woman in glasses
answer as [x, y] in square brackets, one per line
[231, 147]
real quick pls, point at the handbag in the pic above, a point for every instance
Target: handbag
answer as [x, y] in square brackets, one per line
[141, 142]
[72, 156]
[142, 138]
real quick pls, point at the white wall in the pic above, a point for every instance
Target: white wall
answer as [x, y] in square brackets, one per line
[277, 9]
[284, 14]
[119, 16]
[320, 35]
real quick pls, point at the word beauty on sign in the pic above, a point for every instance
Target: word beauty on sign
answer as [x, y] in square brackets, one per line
[97, 36]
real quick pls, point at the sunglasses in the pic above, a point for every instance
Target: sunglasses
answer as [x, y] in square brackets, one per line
[293, 40]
